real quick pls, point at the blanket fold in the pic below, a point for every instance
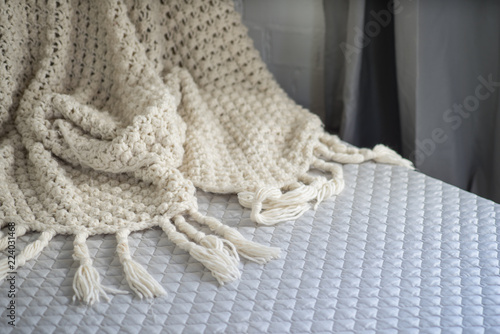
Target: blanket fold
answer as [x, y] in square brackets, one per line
[112, 113]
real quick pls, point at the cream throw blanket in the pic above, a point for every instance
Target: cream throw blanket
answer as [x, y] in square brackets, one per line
[112, 113]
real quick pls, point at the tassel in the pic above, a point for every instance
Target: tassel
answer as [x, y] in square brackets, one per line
[331, 187]
[334, 149]
[336, 145]
[30, 252]
[212, 253]
[383, 154]
[341, 157]
[86, 283]
[247, 198]
[222, 267]
[278, 207]
[139, 280]
[202, 239]
[278, 214]
[270, 206]
[246, 248]
[327, 190]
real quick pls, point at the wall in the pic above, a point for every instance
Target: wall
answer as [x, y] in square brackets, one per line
[289, 35]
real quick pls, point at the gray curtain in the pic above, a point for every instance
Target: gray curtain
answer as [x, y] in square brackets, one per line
[447, 83]
[341, 69]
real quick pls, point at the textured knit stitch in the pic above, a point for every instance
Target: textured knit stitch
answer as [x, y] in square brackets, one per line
[112, 112]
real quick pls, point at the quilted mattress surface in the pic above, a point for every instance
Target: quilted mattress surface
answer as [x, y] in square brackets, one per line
[396, 251]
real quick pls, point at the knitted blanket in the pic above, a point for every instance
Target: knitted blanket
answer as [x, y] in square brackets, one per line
[112, 113]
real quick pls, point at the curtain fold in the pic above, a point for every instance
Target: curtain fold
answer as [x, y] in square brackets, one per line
[431, 91]
[362, 104]
[377, 119]
[342, 60]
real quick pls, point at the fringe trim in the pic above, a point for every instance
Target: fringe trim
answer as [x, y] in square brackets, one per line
[216, 255]
[86, 283]
[270, 205]
[246, 248]
[139, 280]
[219, 254]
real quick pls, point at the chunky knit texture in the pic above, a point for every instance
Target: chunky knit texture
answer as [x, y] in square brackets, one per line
[112, 112]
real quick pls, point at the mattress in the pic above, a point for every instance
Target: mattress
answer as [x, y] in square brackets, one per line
[396, 251]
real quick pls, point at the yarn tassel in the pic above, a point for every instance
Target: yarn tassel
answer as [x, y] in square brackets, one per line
[139, 280]
[30, 252]
[246, 248]
[385, 155]
[217, 256]
[86, 284]
[333, 186]
[334, 149]
[270, 206]
[278, 207]
[209, 241]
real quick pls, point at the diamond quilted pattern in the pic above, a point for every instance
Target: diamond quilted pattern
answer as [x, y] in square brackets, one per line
[395, 252]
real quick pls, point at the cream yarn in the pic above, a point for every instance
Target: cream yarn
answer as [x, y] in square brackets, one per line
[113, 112]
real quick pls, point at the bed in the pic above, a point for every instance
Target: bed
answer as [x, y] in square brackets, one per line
[396, 251]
